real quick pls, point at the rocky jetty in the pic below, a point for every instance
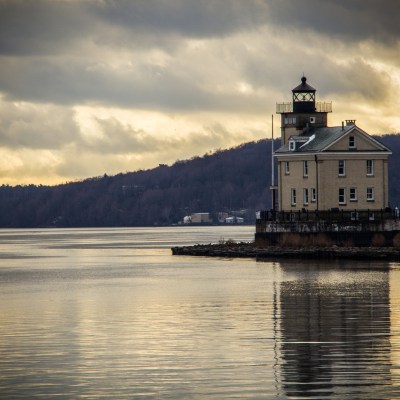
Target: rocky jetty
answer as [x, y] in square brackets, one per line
[250, 250]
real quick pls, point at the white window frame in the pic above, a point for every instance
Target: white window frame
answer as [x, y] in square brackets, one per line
[342, 196]
[313, 195]
[370, 167]
[370, 194]
[305, 169]
[353, 194]
[292, 145]
[305, 196]
[342, 168]
[293, 198]
[287, 167]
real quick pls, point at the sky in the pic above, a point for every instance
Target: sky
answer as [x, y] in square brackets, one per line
[94, 87]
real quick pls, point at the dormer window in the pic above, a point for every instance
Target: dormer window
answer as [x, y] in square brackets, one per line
[292, 145]
[352, 142]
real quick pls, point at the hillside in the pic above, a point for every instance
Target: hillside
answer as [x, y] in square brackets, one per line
[227, 180]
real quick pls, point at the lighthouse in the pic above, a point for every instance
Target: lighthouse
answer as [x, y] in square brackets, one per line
[302, 111]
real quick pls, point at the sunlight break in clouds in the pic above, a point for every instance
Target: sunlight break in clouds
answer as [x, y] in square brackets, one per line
[93, 87]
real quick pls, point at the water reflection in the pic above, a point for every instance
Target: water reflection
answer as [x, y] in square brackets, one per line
[335, 330]
[112, 314]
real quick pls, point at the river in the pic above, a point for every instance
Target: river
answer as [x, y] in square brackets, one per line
[110, 313]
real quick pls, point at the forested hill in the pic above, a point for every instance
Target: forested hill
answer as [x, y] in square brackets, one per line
[226, 181]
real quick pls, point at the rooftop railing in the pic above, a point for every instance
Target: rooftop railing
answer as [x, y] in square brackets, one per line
[333, 215]
[320, 106]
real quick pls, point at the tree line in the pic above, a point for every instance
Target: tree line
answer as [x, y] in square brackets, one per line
[236, 179]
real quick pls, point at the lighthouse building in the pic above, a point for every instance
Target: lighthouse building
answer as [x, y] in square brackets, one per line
[325, 168]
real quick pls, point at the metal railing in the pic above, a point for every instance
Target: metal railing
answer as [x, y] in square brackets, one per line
[320, 106]
[333, 215]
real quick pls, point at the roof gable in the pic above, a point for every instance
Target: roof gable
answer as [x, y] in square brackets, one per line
[316, 140]
[364, 142]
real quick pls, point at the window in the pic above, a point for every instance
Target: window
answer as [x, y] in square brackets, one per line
[305, 196]
[313, 195]
[370, 167]
[342, 196]
[293, 196]
[352, 142]
[290, 120]
[370, 194]
[342, 168]
[353, 194]
[305, 168]
[287, 168]
[292, 145]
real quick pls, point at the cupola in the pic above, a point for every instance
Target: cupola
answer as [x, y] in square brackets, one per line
[304, 97]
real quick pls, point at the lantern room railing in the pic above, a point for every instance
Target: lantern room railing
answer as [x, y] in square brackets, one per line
[320, 106]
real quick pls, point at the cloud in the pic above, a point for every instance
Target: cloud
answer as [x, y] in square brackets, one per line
[42, 27]
[343, 19]
[130, 84]
[26, 125]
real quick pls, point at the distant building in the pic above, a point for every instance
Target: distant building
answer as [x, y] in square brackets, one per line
[198, 218]
[222, 216]
[234, 220]
[321, 167]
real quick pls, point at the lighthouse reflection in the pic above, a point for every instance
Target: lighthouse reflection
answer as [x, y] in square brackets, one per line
[334, 330]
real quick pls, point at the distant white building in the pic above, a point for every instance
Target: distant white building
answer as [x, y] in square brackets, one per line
[234, 220]
[197, 218]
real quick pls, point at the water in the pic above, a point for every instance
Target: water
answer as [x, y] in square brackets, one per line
[110, 313]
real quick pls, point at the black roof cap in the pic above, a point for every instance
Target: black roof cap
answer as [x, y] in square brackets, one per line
[304, 86]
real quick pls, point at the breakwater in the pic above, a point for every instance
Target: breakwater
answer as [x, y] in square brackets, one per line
[251, 250]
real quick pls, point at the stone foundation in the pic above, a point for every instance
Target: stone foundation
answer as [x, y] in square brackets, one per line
[329, 238]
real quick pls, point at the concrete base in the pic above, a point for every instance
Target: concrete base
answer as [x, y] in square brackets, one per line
[325, 239]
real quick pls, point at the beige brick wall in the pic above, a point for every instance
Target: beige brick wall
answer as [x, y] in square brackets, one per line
[362, 144]
[329, 182]
[296, 180]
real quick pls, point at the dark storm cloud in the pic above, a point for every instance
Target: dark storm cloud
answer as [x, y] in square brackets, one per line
[59, 51]
[200, 18]
[145, 86]
[41, 26]
[50, 26]
[354, 20]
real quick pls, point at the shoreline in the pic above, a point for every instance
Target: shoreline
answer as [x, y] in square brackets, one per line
[250, 250]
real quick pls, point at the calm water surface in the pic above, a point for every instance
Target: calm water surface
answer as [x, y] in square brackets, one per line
[110, 313]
